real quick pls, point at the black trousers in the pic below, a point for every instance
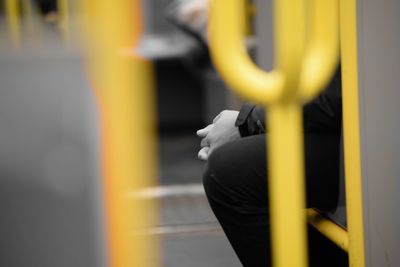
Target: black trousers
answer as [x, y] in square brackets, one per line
[236, 186]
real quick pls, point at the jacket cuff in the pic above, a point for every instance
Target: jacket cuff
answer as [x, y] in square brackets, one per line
[241, 121]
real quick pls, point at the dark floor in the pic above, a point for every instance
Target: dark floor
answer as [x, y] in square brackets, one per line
[178, 159]
[192, 236]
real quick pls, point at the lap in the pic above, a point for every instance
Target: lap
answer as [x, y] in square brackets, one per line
[239, 169]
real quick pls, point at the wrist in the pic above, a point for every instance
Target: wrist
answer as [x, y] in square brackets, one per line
[243, 129]
[242, 119]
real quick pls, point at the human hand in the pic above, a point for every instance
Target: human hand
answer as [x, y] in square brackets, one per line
[222, 130]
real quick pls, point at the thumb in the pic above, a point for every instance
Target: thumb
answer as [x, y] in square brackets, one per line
[203, 132]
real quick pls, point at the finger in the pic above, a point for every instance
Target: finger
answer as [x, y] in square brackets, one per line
[204, 142]
[203, 132]
[203, 153]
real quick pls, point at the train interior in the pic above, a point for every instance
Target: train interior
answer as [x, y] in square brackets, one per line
[69, 135]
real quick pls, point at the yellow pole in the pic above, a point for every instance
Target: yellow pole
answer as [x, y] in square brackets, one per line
[351, 127]
[286, 184]
[13, 19]
[125, 88]
[28, 12]
[329, 229]
[64, 19]
[277, 87]
[283, 90]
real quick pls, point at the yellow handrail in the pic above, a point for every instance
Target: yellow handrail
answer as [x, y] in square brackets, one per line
[320, 55]
[331, 230]
[283, 90]
[351, 132]
[322, 52]
[352, 240]
[231, 58]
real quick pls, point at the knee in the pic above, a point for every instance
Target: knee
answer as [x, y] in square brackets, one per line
[213, 166]
[219, 174]
[215, 179]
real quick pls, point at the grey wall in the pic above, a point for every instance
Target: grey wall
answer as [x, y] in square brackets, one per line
[379, 72]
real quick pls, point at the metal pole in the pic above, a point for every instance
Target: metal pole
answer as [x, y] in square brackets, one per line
[125, 89]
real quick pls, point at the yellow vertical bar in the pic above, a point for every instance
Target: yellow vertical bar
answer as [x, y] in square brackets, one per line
[286, 183]
[286, 178]
[13, 20]
[125, 92]
[351, 127]
[282, 90]
[64, 19]
[28, 12]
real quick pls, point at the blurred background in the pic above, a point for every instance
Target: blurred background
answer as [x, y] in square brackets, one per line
[55, 177]
[100, 101]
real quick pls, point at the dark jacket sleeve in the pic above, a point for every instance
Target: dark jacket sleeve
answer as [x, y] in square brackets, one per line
[322, 114]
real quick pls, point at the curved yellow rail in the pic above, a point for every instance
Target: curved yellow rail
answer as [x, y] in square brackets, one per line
[313, 64]
[322, 52]
[300, 72]
[232, 60]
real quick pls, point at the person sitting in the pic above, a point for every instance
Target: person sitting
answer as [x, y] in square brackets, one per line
[235, 178]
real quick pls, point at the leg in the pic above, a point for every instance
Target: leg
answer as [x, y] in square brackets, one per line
[236, 186]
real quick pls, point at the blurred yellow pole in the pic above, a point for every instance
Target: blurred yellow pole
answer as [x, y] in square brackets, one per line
[125, 88]
[13, 20]
[28, 12]
[64, 19]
